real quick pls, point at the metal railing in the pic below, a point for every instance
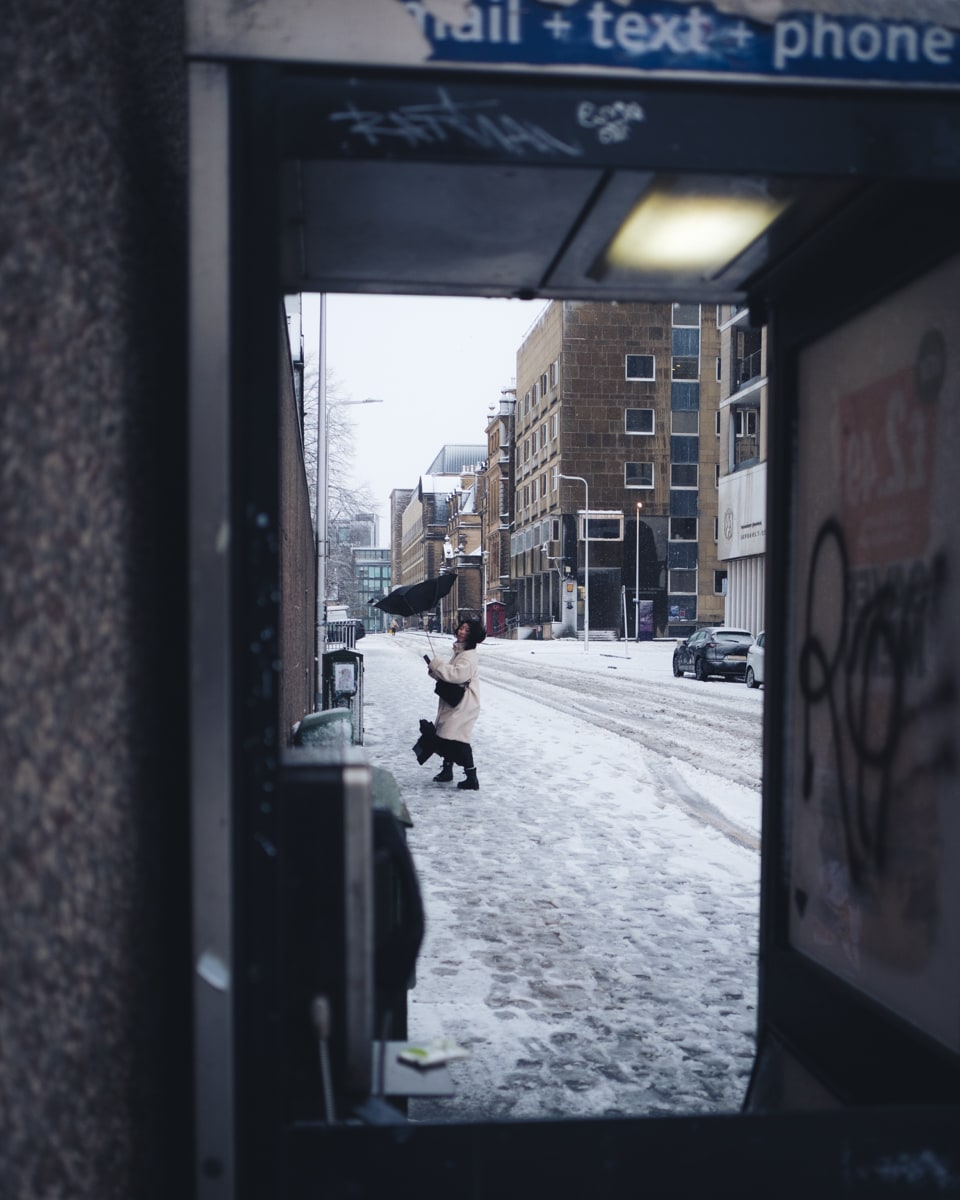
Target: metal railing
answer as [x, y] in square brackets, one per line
[748, 368]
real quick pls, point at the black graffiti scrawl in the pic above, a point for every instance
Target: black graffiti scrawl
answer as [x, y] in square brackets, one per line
[876, 693]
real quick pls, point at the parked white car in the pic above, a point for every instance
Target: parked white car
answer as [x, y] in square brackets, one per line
[754, 676]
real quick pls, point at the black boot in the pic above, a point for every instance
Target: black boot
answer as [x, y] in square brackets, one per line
[446, 775]
[470, 784]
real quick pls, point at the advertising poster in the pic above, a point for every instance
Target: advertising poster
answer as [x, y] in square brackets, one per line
[644, 620]
[874, 784]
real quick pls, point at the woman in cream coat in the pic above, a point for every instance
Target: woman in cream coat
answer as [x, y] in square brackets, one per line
[455, 724]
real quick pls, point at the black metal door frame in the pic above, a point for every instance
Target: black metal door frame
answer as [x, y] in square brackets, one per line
[837, 1153]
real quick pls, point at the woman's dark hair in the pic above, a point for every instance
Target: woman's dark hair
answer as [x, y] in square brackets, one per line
[476, 635]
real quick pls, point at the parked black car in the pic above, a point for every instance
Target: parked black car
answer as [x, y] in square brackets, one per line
[715, 650]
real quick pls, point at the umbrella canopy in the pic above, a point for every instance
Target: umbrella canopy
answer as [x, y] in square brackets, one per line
[412, 598]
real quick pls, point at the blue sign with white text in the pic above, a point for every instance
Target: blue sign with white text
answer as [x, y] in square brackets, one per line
[695, 39]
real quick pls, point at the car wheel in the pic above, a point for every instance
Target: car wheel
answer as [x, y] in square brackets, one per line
[676, 667]
[700, 670]
[750, 679]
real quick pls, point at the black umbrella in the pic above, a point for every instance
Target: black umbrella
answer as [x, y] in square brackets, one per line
[412, 598]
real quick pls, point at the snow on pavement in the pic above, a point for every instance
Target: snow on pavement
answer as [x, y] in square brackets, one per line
[591, 933]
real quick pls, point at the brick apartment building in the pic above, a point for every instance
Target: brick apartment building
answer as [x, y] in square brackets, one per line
[625, 397]
[420, 522]
[495, 506]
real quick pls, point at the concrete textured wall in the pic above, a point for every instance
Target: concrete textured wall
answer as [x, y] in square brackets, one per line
[94, 949]
[298, 579]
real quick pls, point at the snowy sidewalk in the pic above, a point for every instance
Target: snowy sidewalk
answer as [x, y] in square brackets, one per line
[591, 945]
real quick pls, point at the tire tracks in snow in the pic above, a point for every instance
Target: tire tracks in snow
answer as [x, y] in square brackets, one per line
[579, 696]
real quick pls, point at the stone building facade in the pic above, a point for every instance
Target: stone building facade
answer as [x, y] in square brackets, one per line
[623, 397]
[464, 555]
[399, 499]
[424, 529]
[495, 505]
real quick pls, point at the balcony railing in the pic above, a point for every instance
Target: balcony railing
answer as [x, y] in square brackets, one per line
[748, 368]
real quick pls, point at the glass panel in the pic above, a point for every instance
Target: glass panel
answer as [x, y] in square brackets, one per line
[683, 529]
[684, 580]
[639, 420]
[686, 314]
[685, 422]
[637, 474]
[686, 368]
[871, 773]
[683, 475]
[640, 366]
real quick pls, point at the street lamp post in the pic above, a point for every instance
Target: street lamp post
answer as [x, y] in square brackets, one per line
[586, 557]
[636, 590]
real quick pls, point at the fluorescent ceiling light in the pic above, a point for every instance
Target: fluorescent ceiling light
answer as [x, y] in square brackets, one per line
[681, 231]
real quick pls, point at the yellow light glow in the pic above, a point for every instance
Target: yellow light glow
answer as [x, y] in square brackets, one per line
[690, 232]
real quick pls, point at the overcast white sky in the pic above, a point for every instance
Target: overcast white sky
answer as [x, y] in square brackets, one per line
[437, 363]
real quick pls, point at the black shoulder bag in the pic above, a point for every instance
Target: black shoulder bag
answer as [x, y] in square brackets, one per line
[450, 693]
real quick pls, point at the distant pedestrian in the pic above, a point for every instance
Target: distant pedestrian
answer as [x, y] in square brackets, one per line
[455, 723]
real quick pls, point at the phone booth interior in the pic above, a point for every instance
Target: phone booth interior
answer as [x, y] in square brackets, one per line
[379, 179]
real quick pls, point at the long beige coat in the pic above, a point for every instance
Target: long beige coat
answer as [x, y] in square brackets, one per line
[457, 724]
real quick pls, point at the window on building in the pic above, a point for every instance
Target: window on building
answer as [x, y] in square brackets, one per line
[684, 475]
[685, 367]
[716, 475]
[718, 422]
[683, 529]
[719, 363]
[555, 426]
[641, 367]
[684, 422]
[686, 315]
[639, 420]
[555, 478]
[638, 474]
[748, 357]
[719, 583]
[535, 490]
[683, 581]
[543, 384]
[716, 529]
[747, 421]
[685, 343]
[554, 372]
[533, 393]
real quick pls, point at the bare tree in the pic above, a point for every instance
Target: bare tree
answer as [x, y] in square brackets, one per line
[346, 501]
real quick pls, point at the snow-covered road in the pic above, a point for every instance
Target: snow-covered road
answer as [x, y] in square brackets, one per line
[592, 910]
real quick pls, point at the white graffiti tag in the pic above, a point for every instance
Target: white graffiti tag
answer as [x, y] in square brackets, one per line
[611, 121]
